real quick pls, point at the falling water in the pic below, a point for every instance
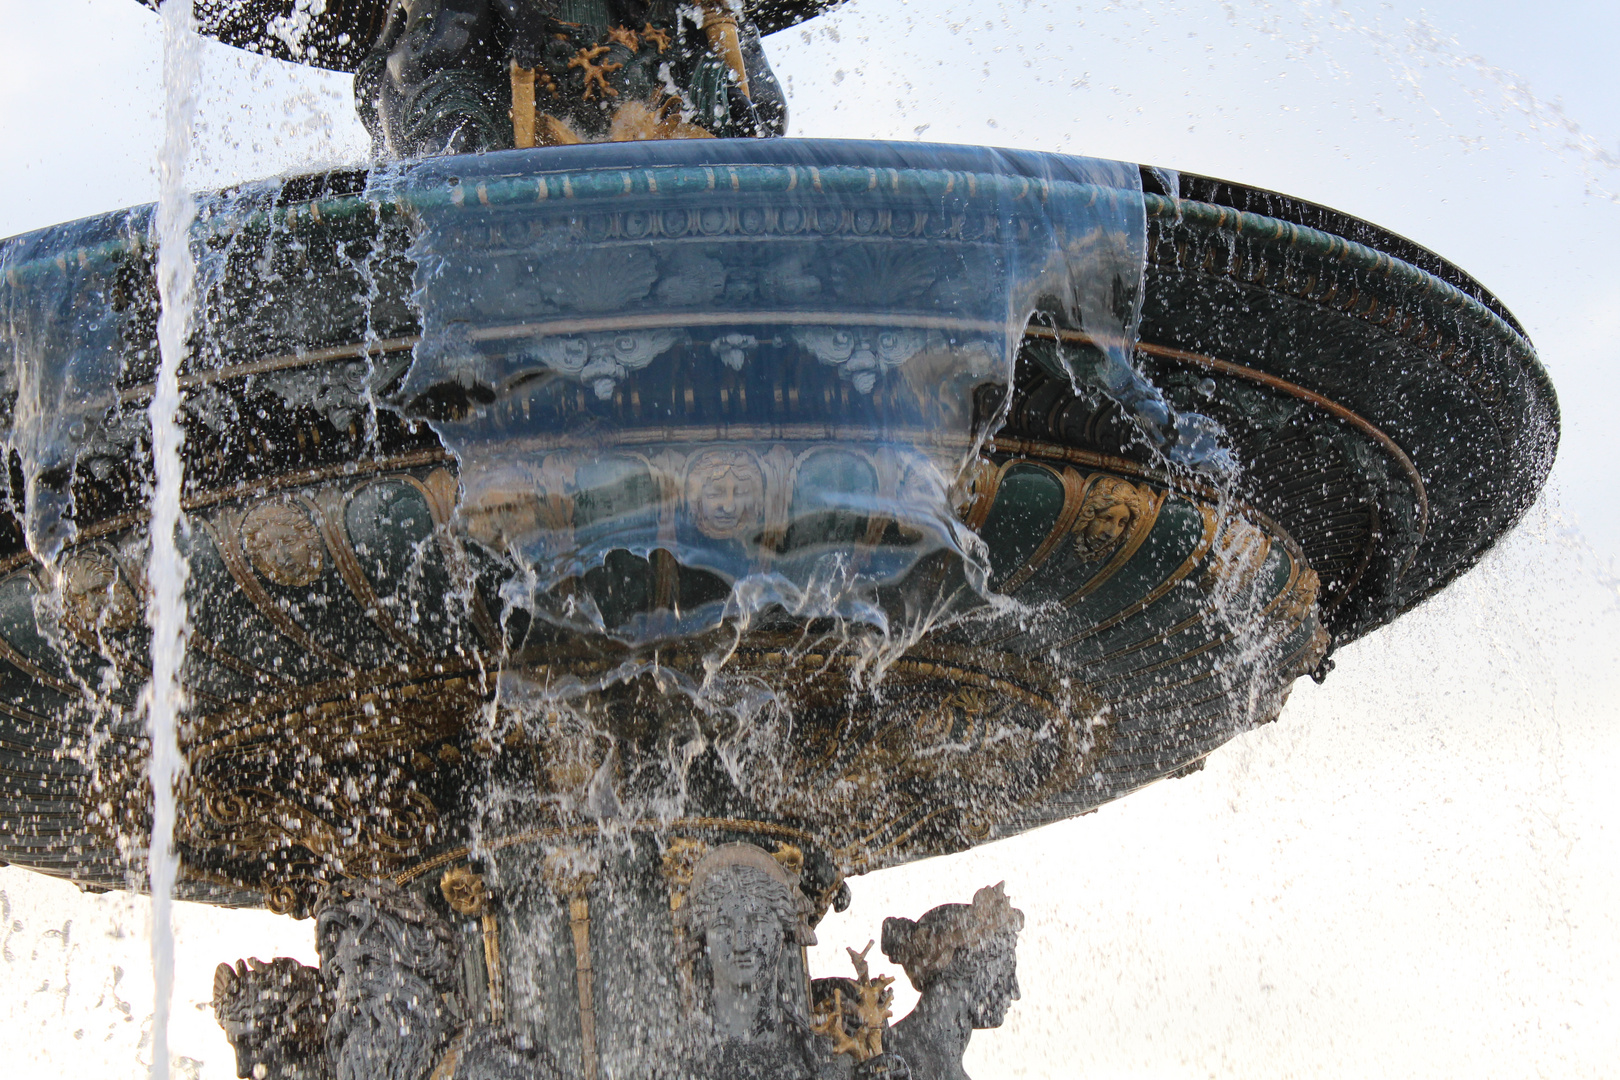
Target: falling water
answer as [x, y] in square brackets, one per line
[166, 573]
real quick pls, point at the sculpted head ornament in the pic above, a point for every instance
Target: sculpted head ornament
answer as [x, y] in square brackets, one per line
[283, 543]
[929, 947]
[725, 494]
[392, 964]
[274, 1015]
[742, 913]
[1111, 508]
[746, 871]
[96, 593]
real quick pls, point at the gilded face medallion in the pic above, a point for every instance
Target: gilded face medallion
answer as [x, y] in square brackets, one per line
[1105, 519]
[95, 593]
[283, 544]
[725, 494]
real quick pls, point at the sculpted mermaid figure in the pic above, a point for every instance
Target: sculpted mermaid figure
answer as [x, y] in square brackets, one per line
[963, 959]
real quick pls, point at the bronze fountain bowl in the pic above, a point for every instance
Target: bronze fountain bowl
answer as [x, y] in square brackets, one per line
[479, 450]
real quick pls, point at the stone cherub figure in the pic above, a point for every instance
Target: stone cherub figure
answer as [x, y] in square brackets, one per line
[275, 1018]
[963, 959]
[454, 76]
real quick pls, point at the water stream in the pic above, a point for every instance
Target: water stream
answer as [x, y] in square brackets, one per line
[167, 569]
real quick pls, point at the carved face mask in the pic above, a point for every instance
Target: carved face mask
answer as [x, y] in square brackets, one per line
[994, 985]
[726, 494]
[387, 1019]
[744, 942]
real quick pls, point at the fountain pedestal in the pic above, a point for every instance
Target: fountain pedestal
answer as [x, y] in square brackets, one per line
[642, 952]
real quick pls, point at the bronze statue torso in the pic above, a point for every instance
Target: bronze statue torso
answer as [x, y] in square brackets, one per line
[452, 76]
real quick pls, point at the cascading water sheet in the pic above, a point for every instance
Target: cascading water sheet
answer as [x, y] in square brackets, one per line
[749, 379]
[63, 332]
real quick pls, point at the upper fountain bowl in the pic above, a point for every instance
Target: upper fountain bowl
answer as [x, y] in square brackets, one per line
[884, 499]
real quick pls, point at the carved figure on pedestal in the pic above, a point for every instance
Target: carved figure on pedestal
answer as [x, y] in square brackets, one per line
[393, 968]
[742, 914]
[455, 76]
[275, 1017]
[963, 959]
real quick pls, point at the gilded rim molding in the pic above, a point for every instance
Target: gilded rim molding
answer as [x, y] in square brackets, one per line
[1248, 374]
[1035, 448]
[744, 826]
[202, 500]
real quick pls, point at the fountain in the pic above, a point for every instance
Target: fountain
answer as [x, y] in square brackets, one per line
[610, 528]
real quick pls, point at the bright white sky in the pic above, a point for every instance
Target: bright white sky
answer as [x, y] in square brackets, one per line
[1414, 873]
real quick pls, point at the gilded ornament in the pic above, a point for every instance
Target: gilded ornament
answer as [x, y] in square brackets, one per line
[725, 494]
[791, 856]
[680, 859]
[681, 856]
[855, 1025]
[659, 117]
[464, 891]
[96, 594]
[959, 718]
[570, 872]
[720, 25]
[655, 36]
[283, 544]
[1111, 508]
[595, 74]
[1300, 600]
[467, 894]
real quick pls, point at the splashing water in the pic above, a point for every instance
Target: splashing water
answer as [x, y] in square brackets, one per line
[1417, 46]
[167, 570]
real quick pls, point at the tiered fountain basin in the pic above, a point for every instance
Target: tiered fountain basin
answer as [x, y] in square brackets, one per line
[479, 452]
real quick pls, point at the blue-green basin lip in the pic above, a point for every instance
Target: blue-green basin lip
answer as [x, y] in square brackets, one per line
[1460, 345]
[674, 168]
[686, 167]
